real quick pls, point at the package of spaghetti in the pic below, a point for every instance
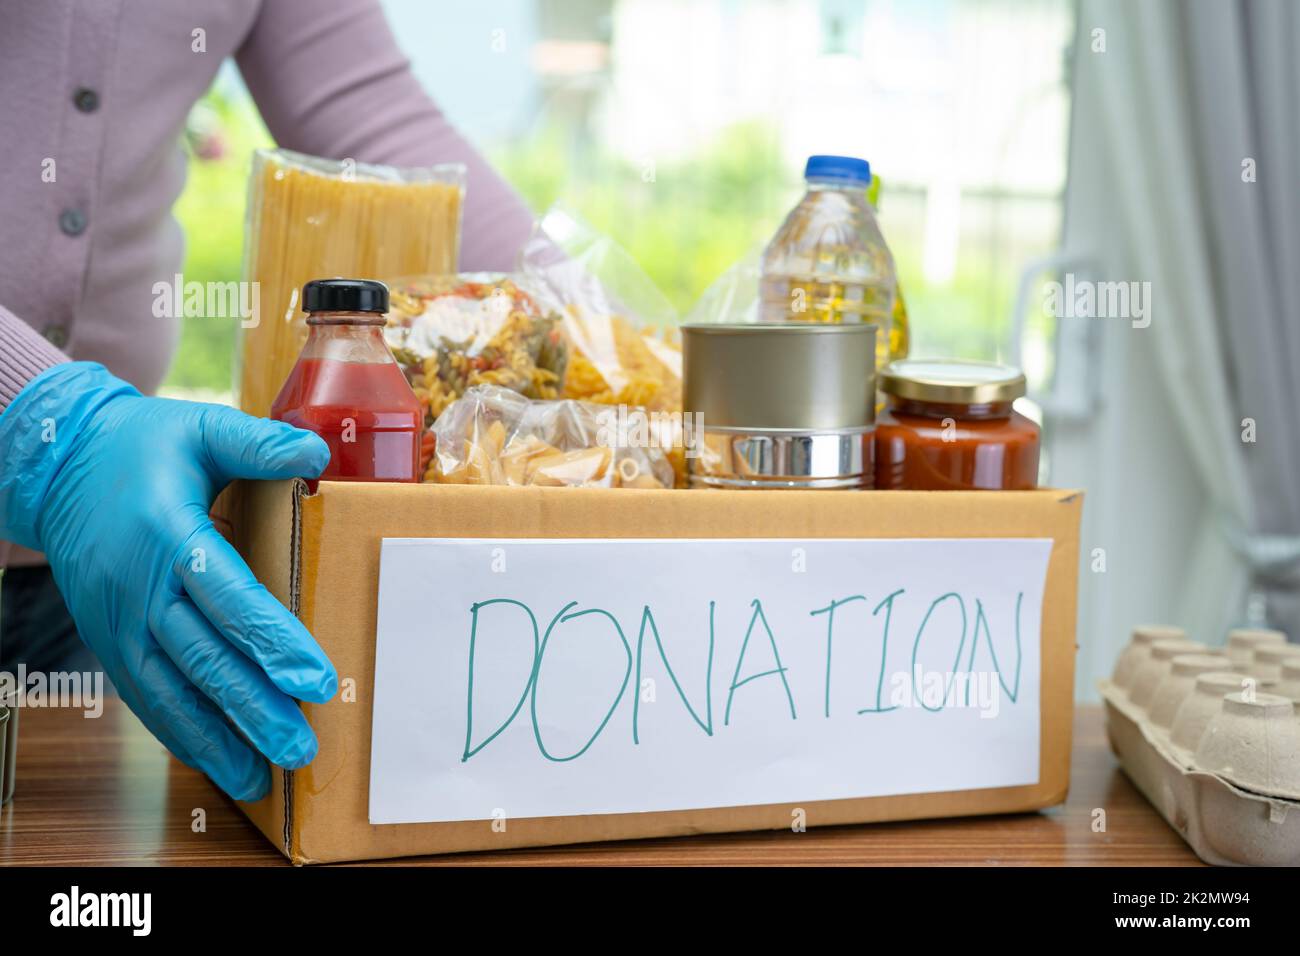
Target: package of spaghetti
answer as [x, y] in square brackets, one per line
[624, 344]
[311, 218]
[451, 333]
[495, 436]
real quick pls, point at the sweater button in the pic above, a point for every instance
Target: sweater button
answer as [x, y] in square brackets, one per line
[57, 336]
[86, 100]
[72, 222]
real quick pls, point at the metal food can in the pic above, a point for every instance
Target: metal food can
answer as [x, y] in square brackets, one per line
[780, 405]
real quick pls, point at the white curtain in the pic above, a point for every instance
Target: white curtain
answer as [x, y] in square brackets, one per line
[1196, 98]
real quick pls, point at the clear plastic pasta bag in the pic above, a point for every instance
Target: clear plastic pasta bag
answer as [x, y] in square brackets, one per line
[733, 296]
[625, 348]
[495, 436]
[453, 332]
[312, 218]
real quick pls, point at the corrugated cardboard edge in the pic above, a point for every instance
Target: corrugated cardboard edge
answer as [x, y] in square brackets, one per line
[320, 813]
[274, 556]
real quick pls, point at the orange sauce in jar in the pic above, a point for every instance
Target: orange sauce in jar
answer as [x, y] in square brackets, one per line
[950, 426]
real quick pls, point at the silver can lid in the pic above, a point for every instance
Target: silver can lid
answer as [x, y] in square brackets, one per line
[761, 376]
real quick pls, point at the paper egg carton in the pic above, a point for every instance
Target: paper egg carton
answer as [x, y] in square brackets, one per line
[1212, 739]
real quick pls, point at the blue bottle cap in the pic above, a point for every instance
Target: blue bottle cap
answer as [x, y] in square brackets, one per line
[840, 169]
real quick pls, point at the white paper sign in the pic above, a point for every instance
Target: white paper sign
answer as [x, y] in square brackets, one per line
[539, 677]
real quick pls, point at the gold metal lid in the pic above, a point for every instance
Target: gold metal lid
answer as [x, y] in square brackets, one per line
[952, 382]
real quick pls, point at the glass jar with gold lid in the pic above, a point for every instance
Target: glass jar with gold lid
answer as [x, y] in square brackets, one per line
[950, 425]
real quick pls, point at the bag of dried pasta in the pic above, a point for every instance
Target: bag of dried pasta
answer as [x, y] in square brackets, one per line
[624, 344]
[495, 436]
[454, 332]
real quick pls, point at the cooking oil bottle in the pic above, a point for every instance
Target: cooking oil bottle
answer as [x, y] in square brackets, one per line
[829, 262]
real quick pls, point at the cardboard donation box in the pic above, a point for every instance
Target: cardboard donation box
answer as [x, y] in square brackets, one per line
[530, 666]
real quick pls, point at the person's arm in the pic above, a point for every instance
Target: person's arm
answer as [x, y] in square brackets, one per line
[330, 80]
[24, 354]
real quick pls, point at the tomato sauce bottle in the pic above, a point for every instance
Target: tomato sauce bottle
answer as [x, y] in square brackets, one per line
[348, 388]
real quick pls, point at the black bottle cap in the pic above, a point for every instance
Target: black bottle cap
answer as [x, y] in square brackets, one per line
[345, 295]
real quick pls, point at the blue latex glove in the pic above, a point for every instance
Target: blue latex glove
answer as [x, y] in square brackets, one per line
[115, 489]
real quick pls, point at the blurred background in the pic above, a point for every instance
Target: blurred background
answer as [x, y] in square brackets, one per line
[680, 128]
[1019, 142]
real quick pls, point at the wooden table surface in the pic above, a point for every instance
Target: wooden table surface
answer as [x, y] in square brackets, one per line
[103, 791]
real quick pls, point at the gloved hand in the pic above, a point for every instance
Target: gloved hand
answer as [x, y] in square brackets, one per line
[115, 489]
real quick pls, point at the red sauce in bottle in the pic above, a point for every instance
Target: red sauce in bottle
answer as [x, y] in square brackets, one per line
[348, 389]
[950, 426]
